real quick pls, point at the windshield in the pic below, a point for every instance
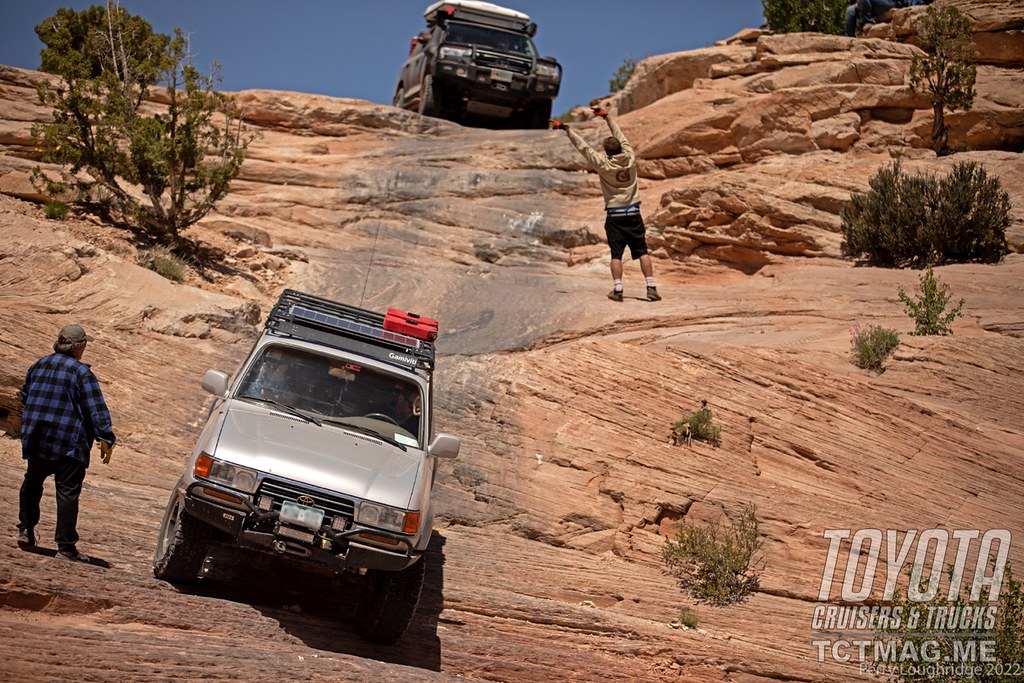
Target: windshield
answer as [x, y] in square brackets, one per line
[340, 392]
[483, 36]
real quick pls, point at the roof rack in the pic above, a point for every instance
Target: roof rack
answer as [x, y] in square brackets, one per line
[307, 316]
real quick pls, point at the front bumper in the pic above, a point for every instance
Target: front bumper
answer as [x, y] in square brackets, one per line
[337, 550]
[495, 86]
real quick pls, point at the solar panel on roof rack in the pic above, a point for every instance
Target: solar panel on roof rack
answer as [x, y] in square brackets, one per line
[339, 323]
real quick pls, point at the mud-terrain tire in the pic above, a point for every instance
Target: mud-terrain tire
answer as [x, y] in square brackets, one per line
[399, 99]
[430, 102]
[181, 547]
[388, 602]
[538, 116]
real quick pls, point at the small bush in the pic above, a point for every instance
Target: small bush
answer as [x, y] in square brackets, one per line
[622, 75]
[165, 262]
[929, 309]
[795, 16]
[906, 220]
[56, 211]
[698, 426]
[688, 617]
[870, 346]
[714, 562]
[1004, 663]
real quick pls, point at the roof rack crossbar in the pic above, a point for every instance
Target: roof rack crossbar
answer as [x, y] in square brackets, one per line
[296, 310]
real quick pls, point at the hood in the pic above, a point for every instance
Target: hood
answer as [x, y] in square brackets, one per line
[328, 457]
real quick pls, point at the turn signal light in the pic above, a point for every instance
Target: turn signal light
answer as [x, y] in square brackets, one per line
[203, 465]
[412, 522]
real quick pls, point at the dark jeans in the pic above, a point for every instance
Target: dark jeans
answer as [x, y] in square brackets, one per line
[68, 475]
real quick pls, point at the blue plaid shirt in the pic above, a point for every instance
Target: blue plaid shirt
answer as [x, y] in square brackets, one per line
[64, 410]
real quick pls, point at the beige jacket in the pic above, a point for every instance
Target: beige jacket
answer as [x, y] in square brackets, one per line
[617, 173]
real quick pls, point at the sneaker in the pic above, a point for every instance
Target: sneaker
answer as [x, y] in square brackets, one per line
[26, 538]
[72, 555]
[652, 294]
[615, 295]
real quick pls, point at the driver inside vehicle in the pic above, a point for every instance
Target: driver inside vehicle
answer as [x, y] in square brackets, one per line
[407, 408]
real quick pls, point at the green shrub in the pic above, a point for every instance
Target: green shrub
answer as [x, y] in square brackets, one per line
[714, 562]
[929, 309]
[945, 70]
[56, 211]
[870, 346]
[688, 617]
[1007, 658]
[162, 260]
[622, 75]
[698, 426]
[906, 220]
[794, 16]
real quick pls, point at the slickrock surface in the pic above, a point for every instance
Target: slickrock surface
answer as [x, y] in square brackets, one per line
[546, 561]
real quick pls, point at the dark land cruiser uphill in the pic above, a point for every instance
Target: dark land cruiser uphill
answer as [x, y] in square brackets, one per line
[477, 59]
[317, 453]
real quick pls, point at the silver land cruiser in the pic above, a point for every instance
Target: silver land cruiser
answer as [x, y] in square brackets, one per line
[321, 450]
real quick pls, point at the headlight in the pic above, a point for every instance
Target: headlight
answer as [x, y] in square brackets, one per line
[225, 473]
[449, 52]
[548, 71]
[384, 517]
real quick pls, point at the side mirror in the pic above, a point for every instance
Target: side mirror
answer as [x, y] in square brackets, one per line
[531, 29]
[445, 446]
[216, 382]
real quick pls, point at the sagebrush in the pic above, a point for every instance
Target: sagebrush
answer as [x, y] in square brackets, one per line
[716, 563]
[919, 220]
[872, 345]
[165, 262]
[698, 425]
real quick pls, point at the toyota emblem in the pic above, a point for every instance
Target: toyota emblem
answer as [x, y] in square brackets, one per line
[306, 500]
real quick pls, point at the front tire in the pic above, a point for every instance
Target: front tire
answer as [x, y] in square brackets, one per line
[399, 99]
[388, 602]
[182, 546]
[430, 102]
[538, 116]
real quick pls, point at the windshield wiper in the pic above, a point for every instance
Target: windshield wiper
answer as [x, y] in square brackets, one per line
[365, 430]
[291, 410]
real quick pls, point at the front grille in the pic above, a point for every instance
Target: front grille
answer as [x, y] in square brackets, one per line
[331, 503]
[499, 60]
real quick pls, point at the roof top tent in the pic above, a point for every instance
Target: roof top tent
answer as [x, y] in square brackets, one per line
[480, 13]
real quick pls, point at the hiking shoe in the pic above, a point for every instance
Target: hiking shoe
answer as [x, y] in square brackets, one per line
[72, 555]
[615, 295]
[652, 294]
[26, 539]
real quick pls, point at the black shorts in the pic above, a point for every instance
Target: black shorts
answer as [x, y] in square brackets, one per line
[625, 230]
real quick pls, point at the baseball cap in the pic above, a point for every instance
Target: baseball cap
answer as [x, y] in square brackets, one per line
[73, 334]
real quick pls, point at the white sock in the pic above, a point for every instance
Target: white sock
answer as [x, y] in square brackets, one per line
[650, 282]
[618, 286]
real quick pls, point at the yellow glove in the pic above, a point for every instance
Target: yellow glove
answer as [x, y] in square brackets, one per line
[105, 450]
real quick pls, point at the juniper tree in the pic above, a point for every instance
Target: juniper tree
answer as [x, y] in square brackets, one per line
[945, 72]
[154, 169]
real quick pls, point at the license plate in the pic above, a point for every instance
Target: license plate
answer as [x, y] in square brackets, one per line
[293, 513]
[501, 75]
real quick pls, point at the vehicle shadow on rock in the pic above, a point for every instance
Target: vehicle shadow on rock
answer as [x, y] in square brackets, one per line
[321, 610]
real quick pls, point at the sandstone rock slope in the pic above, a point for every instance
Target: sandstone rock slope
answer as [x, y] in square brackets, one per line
[546, 564]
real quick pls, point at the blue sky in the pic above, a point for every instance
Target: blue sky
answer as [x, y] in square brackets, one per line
[352, 48]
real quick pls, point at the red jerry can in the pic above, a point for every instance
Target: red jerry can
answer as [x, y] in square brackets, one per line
[411, 324]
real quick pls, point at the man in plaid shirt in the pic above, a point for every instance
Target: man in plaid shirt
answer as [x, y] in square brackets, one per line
[64, 413]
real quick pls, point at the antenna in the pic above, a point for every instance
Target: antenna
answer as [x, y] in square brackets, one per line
[373, 250]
